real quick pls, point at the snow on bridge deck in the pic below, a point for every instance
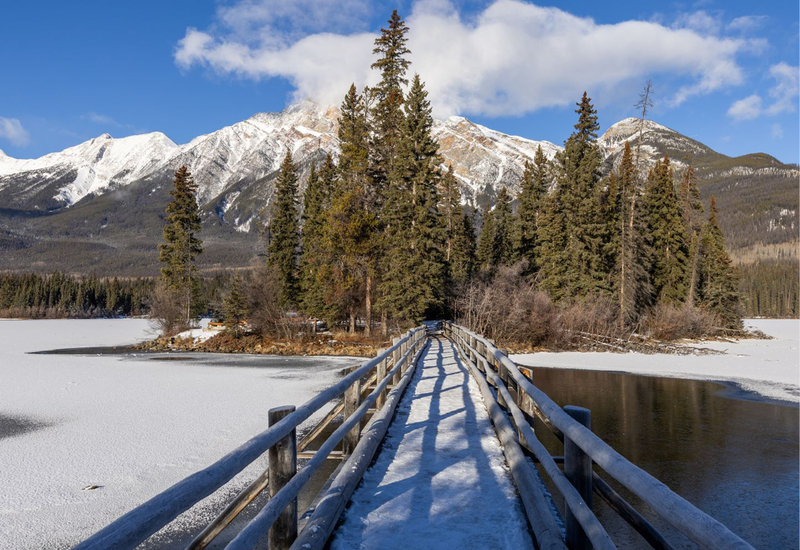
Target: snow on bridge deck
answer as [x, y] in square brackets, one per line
[440, 479]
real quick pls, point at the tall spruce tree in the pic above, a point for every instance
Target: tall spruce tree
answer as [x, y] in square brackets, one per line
[531, 201]
[415, 270]
[284, 234]
[181, 242]
[577, 199]
[485, 251]
[692, 210]
[313, 262]
[496, 244]
[633, 286]
[352, 227]
[666, 235]
[719, 281]
[235, 306]
[462, 260]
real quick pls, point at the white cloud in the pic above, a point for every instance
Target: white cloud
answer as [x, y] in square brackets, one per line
[776, 131]
[100, 119]
[747, 23]
[783, 95]
[509, 59]
[11, 130]
[747, 108]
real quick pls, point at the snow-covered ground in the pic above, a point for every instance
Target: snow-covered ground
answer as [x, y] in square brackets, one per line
[440, 480]
[132, 426]
[770, 368]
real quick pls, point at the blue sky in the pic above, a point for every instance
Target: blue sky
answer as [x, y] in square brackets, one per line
[724, 73]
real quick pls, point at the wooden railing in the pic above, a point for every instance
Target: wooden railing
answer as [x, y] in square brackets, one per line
[582, 448]
[390, 372]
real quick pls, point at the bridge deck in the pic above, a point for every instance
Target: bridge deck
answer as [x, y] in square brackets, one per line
[440, 479]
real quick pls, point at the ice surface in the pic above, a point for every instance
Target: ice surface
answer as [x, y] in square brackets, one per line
[440, 480]
[770, 368]
[131, 426]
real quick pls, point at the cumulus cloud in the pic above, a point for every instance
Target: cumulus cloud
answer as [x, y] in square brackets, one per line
[11, 130]
[509, 59]
[782, 95]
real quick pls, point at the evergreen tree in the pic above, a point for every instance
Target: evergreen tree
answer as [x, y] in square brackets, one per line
[692, 211]
[352, 227]
[414, 270]
[632, 282]
[316, 203]
[575, 260]
[719, 281]
[462, 260]
[531, 198]
[495, 246]
[235, 306]
[485, 251]
[667, 235]
[284, 233]
[181, 244]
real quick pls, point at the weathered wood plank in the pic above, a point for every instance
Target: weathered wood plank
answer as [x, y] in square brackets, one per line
[282, 467]
[578, 469]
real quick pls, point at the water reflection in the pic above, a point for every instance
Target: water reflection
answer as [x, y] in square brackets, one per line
[736, 460]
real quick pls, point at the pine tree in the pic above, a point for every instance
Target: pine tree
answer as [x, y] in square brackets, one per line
[485, 251]
[284, 234]
[632, 275]
[181, 244]
[235, 306]
[531, 199]
[666, 235]
[462, 260]
[496, 245]
[316, 203]
[692, 211]
[719, 281]
[575, 260]
[352, 238]
[414, 270]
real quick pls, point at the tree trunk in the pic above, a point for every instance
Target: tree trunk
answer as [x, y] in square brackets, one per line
[384, 324]
[368, 307]
[352, 321]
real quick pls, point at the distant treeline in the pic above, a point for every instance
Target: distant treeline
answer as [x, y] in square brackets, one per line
[771, 288]
[34, 296]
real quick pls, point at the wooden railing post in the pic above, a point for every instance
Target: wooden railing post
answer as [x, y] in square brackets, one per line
[378, 379]
[396, 358]
[578, 469]
[352, 399]
[282, 467]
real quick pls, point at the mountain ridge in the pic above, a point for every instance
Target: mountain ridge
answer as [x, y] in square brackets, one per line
[87, 193]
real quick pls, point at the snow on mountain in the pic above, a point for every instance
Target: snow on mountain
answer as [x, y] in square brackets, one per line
[91, 167]
[485, 160]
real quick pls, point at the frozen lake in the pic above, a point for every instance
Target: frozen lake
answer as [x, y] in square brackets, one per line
[133, 425]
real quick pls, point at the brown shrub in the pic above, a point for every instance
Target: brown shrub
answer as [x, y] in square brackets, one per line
[596, 315]
[168, 310]
[266, 316]
[509, 309]
[669, 322]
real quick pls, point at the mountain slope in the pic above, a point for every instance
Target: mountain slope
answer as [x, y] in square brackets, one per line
[99, 206]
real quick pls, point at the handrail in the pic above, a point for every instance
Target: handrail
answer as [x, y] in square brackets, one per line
[680, 513]
[134, 527]
[583, 513]
[259, 525]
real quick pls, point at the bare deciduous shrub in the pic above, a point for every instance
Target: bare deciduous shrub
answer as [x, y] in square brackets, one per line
[266, 316]
[509, 309]
[595, 315]
[168, 310]
[668, 322]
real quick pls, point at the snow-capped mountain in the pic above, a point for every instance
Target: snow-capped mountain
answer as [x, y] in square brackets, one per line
[111, 192]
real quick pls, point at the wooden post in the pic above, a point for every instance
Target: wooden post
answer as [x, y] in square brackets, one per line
[578, 469]
[352, 399]
[396, 358]
[381, 375]
[282, 467]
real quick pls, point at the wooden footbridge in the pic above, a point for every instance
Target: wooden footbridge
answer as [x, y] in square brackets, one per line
[370, 395]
